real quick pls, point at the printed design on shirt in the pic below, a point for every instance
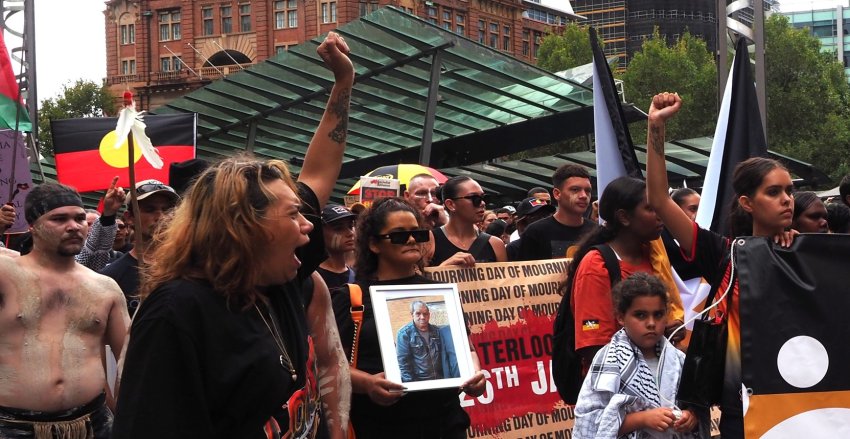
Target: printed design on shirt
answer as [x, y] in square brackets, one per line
[303, 406]
[589, 325]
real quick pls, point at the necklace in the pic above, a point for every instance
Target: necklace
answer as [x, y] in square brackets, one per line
[285, 361]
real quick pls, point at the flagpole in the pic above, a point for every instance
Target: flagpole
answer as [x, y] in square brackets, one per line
[134, 201]
[12, 184]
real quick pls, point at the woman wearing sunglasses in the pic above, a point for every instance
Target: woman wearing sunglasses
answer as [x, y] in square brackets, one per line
[460, 242]
[390, 238]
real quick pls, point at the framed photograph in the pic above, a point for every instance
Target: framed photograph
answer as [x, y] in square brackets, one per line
[422, 335]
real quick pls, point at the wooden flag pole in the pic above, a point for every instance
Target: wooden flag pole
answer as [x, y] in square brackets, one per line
[134, 200]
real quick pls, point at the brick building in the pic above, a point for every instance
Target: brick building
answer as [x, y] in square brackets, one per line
[163, 49]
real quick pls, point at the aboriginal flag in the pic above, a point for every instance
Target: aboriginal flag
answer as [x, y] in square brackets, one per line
[794, 333]
[86, 157]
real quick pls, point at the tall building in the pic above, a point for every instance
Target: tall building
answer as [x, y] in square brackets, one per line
[831, 27]
[163, 49]
[623, 25]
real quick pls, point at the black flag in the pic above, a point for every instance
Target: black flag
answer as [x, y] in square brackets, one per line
[738, 136]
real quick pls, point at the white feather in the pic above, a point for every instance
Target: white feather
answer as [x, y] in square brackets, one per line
[125, 122]
[131, 121]
[144, 143]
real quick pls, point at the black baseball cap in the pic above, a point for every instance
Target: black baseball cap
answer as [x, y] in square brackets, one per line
[531, 205]
[334, 212]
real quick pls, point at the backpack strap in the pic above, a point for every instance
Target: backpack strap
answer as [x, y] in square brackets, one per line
[612, 264]
[356, 296]
[479, 243]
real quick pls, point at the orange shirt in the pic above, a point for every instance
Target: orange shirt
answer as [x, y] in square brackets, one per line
[591, 301]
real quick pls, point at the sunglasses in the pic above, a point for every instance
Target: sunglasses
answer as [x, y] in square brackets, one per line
[402, 236]
[152, 187]
[475, 199]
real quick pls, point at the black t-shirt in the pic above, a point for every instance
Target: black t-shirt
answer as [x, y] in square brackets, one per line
[512, 249]
[334, 280]
[197, 366]
[125, 271]
[438, 405]
[549, 239]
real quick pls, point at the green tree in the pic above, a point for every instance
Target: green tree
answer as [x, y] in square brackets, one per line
[565, 51]
[686, 67]
[807, 99]
[82, 99]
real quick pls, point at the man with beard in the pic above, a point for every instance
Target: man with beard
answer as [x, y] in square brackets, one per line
[155, 200]
[55, 318]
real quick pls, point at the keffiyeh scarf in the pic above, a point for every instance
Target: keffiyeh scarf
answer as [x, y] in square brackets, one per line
[620, 382]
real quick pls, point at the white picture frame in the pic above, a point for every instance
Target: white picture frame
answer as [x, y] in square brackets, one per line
[392, 306]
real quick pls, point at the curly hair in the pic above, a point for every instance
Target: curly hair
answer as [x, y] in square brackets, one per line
[637, 285]
[214, 232]
[369, 223]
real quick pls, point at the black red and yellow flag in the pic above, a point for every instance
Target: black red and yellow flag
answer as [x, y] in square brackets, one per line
[86, 157]
[794, 332]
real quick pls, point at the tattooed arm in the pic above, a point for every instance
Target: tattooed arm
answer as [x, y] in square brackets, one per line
[324, 155]
[334, 377]
[664, 106]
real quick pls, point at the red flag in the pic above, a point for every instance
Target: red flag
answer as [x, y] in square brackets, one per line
[86, 157]
[10, 102]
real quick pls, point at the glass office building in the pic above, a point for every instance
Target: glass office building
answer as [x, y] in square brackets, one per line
[831, 27]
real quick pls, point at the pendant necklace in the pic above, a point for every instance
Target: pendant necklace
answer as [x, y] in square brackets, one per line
[285, 361]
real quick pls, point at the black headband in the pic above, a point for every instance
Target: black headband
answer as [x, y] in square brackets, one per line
[38, 208]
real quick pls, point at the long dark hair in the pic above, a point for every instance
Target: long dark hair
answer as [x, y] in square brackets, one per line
[369, 223]
[746, 179]
[624, 193]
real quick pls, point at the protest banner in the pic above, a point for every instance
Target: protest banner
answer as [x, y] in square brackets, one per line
[510, 308]
[22, 180]
[373, 188]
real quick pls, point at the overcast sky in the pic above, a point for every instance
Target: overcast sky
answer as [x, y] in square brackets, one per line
[70, 40]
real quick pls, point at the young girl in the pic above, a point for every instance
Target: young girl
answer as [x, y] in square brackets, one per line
[390, 237]
[763, 206]
[631, 388]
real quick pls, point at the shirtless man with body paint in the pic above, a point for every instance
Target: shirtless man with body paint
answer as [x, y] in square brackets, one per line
[55, 318]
